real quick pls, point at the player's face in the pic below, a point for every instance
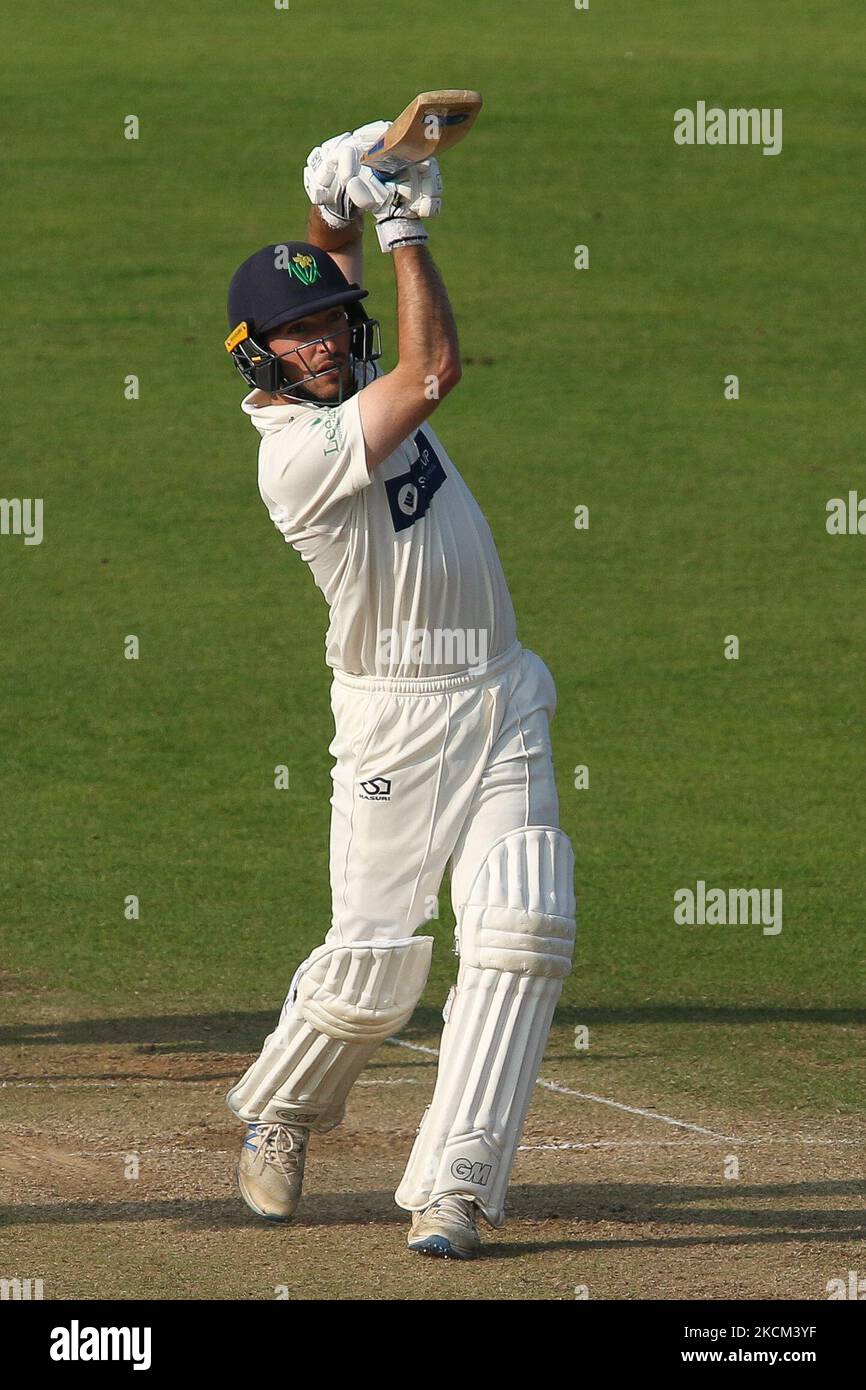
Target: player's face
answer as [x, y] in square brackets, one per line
[330, 356]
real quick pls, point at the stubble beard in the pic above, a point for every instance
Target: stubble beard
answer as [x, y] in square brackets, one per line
[329, 389]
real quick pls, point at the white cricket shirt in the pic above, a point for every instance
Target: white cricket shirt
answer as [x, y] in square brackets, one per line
[404, 557]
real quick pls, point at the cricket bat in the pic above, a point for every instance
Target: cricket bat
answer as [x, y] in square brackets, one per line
[430, 124]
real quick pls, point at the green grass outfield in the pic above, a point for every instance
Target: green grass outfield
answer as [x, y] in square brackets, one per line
[605, 387]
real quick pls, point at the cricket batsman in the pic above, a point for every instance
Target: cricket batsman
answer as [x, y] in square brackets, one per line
[442, 756]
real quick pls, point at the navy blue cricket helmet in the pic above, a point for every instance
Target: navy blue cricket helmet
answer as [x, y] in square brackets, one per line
[286, 281]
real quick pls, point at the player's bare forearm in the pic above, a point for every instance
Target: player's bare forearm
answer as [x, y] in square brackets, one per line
[426, 332]
[428, 353]
[344, 245]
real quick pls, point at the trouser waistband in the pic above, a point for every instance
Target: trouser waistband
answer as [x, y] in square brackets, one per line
[433, 685]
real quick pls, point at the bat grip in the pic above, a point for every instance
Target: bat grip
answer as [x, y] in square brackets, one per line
[389, 178]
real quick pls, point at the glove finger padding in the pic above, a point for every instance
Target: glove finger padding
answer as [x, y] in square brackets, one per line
[321, 161]
[325, 180]
[317, 181]
[368, 193]
[360, 185]
[367, 135]
[331, 166]
[421, 188]
[418, 191]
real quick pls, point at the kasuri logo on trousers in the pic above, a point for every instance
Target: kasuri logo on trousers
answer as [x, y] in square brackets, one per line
[376, 789]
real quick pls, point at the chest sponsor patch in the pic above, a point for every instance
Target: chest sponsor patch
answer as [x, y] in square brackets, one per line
[409, 494]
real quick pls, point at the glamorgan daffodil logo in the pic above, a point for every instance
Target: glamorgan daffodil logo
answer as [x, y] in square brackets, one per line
[304, 268]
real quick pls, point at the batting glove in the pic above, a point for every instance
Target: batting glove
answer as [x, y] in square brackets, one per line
[398, 206]
[332, 165]
[339, 185]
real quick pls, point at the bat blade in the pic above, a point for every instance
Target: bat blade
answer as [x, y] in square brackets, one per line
[431, 124]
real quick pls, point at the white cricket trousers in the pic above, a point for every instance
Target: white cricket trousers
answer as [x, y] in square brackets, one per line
[428, 775]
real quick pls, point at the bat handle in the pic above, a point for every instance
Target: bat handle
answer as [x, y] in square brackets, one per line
[389, 178]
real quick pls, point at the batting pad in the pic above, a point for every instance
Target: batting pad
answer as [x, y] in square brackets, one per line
[342, 1003]
[516, 937]
[520, 911]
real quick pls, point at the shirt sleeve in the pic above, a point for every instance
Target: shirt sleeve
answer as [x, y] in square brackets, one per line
[312, 466]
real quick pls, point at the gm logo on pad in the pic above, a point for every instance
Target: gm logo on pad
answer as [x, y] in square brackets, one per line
[477, 1173]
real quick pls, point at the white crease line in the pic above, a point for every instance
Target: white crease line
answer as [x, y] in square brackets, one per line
[790, 1139]
[633, 1109]
[397, 1081]
[134, 1153]
[522, 1148]
[615, 1144]
[167, 1081]
[434, 1052]
[110, 1085]
[802, 1139]
[413, 1047]
[57, 1085]
[66, 1086]
[586, 1095]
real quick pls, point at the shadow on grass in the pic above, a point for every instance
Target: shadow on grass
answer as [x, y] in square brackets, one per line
[160, 1033]
[678, 1211]
[245, 1031]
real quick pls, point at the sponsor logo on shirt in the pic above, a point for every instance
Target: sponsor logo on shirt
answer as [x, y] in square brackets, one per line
[410, 494]
[330, 423]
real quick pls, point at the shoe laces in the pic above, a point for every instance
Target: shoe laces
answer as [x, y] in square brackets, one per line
[459, 1210]
[278, 1143]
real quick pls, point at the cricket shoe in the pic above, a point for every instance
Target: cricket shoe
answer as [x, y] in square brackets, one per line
[446, 1228]
[270, 1170]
